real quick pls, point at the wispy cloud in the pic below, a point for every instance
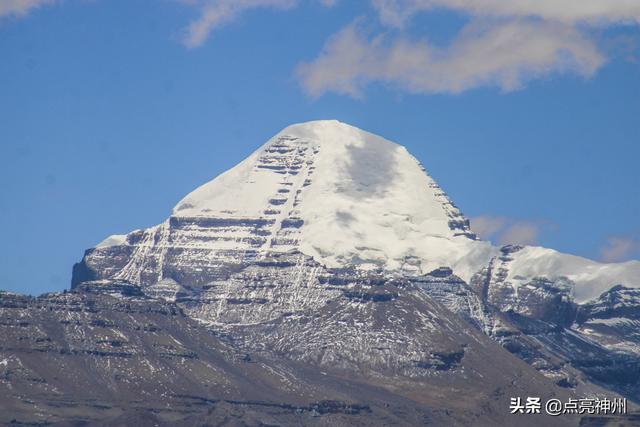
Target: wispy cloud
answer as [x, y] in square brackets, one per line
[619, 248]
[506, 44]
[504, 230]
[506, 55]
[520, 233]
[214, 14]
[20, 7]
[488, 226]
[594, 12]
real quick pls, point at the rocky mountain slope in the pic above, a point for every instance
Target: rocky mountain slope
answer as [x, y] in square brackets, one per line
[326, 279]
[108, 352]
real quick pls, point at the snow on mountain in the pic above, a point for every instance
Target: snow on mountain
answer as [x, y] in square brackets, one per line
[591, 278]
[345, 197]
[355, 198]
[113, 240]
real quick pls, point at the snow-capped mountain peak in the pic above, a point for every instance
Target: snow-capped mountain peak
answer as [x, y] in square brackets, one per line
[346, 198]
[342, 195]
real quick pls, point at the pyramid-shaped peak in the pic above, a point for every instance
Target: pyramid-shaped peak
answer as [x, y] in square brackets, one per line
[332, 132]
[346, 198]
[339, 194]
[329, 160]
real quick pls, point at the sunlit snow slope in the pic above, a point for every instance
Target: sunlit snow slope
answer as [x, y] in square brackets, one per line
[353, 197]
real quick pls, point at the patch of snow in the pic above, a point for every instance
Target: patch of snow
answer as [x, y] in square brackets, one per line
[113, 240]
[590, 277]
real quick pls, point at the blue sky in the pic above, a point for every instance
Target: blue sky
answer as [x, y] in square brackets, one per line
[112, 110]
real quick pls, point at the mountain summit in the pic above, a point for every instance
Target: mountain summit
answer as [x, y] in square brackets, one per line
[345, 197]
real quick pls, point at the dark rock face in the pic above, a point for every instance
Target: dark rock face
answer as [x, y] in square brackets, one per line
[542, 325]
[547, 300]
[452, 292]
[540, 298]
[613, 322]
[617, 302]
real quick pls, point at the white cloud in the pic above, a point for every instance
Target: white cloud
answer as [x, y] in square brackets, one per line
[520, 233]
[20, 7]
[504, 230]
[505, 44]
[397, 12]
[217, 13]
[619, 248]
[488, 226]
[506, 55]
